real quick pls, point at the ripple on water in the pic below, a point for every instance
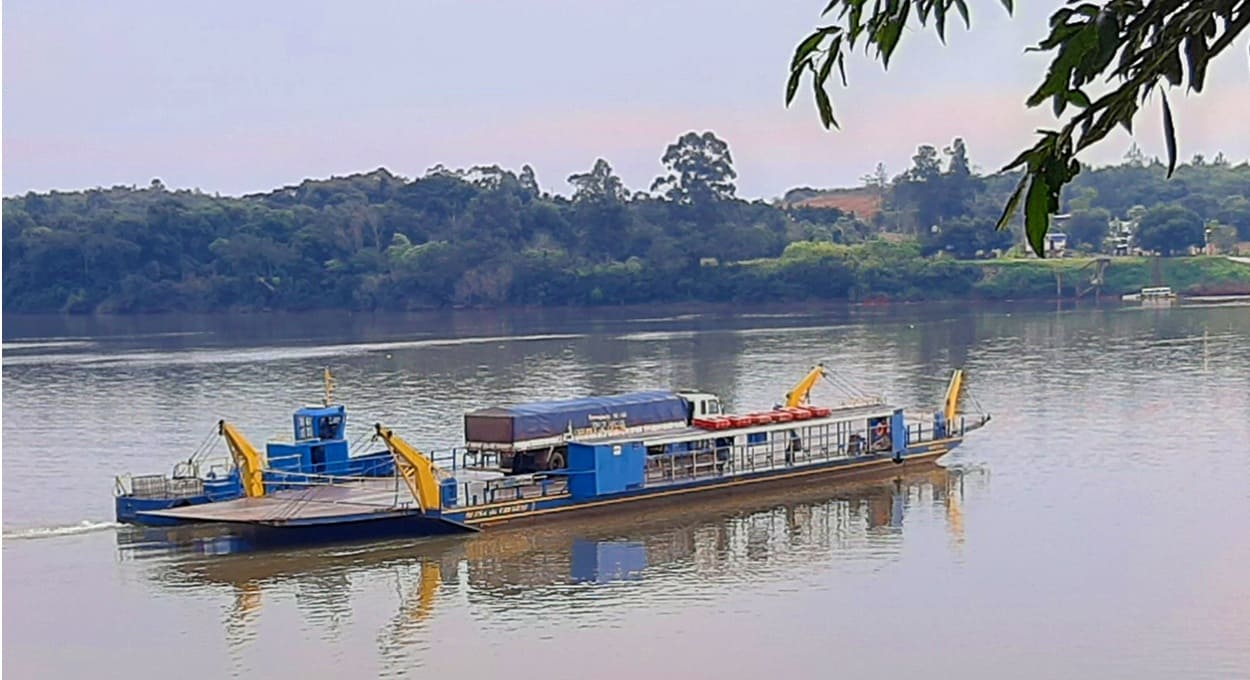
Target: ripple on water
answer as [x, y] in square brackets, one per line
[1100, 513]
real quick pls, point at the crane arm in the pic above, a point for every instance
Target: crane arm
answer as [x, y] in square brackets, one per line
[246, 459]
[416, 469]
[798, 394]
[951, 404]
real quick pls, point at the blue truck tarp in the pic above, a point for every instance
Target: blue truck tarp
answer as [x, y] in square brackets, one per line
[539, 420]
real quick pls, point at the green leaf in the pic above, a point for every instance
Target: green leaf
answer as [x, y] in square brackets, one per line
[1172, 68]
[1078, 98]
[1009, 5]
[822, 76]
[1089, 9]
[855, 21]
[1108, 39]
[809, 45]
[1169, 135]
[962, 6]
[1036, 214]
[1196, 55]
[1012, 203]
[939, 17]
[887, 40]
[1060, 17]
[826, 109]
[792, 86]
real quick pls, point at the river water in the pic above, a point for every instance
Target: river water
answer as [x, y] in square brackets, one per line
[1098, 527]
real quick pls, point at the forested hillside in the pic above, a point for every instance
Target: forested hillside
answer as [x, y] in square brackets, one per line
[490, 236]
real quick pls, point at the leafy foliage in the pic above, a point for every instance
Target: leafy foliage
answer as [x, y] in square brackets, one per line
[1170, 229]
[1134, 44]
[489, 236]
[1088, 229]
[700, 169]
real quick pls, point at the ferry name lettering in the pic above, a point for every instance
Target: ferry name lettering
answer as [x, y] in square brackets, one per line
[499, 511]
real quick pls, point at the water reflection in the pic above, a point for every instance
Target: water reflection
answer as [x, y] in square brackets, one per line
[577, 569]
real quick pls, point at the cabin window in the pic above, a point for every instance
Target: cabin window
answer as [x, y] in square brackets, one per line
[713, 407]
[757, 438]
[303, 427]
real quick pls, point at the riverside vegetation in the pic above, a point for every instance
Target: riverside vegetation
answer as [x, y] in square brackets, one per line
[491, 236]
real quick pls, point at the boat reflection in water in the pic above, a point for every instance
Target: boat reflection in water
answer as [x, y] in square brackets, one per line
[530, 571]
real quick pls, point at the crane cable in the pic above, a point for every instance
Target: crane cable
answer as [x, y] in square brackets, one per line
[842, 384]
[201, 452]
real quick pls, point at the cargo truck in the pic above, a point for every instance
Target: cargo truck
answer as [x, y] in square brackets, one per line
[533, 437]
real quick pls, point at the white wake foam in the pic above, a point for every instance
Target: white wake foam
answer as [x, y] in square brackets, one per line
[83, 527]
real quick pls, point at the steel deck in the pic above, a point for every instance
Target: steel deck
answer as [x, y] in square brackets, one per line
[321, 502]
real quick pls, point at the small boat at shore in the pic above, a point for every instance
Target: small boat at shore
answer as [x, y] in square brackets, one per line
[609, 467]
[1153, 295]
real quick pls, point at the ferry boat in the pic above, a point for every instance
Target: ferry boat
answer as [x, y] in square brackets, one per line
[606, 470]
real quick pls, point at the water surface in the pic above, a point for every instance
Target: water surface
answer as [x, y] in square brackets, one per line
[1097, 527]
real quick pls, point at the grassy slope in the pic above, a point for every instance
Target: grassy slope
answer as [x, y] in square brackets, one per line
[1036, 278]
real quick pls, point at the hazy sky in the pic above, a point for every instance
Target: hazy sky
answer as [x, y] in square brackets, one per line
[235, 97]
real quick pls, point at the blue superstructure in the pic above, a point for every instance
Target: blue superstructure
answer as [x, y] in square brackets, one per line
[318, 454]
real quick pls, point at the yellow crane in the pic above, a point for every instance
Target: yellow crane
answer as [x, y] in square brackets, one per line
[417, 470]
[951, 404]
[798, 394]
[246, 459]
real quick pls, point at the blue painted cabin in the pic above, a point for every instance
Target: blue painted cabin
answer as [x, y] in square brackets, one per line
[318, 450]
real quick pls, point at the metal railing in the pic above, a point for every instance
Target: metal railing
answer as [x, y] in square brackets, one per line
[158, 486]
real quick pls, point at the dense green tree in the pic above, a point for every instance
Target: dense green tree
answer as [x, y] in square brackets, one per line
[1235, 211]
[919, 190]
[600, 216]
[700, 170]
[932, 196]
[1221, 236]
[598, 185]
[1088, 229]
[529, 182]
[486, 236]
[960, 186]
[967, 238]
[1169, 229]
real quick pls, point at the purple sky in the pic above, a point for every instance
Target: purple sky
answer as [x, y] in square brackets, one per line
[235, 97]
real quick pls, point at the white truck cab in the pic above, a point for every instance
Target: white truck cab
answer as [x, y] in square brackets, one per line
[701, 405]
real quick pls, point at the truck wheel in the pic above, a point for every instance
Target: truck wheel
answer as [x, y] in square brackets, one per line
[556, 461]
